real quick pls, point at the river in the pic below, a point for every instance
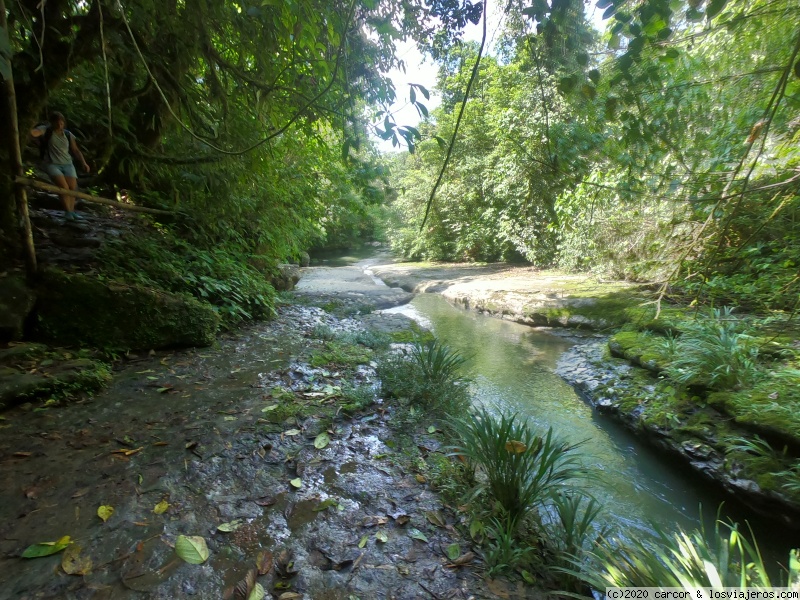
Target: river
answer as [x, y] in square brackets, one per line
[512, 368]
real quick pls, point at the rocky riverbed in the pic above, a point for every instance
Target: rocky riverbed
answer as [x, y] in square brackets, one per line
[255, 447]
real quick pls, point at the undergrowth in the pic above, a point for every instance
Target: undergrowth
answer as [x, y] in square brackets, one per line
[221, 275]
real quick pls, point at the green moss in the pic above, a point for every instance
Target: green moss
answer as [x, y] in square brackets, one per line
[641, 348]
[80, 310]
[772, 406]
[415, 333]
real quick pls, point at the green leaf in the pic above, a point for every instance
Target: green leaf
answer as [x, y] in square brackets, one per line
[231, 526]
[321, 440]
[416, 534]
[325, 504]
[257, 593]
[46, 548]
[528, 577]
[412, 96]
[105, 512]
[269, 408]
[296, 483]
[381, 537]
[453, 551]
[363, 541]
[567, 84]
[714, 8]
[432, 429]
[192, 549]
[475, 529]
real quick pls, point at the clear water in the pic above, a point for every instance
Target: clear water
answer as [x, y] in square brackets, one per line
[512, 368]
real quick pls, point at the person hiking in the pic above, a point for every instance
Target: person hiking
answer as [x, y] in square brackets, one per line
[58, 147]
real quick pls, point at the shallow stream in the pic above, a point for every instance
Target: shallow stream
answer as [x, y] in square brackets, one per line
[512, 367]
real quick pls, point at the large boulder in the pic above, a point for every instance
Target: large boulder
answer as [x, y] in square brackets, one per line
[286, 277]
[16, 303]
[82, 310]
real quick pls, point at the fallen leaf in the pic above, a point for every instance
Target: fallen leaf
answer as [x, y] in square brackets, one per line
[257, 593]
[374, 520]
[431, 429]
[435, 518]
[453, 551]
[476, 530]
[161, 507]
[73, 563]
[266, 501]
[269, 408]
[192, 549]
[105, 512]
[264, 562]
[515, 447]
[46, 548]
[126, 452]
[229, 418]
[381, 536]
[163, 390]
[80, 492]
[22, 454]
[321, 441]
[289, 596]
[462, 560]
[325, 504]
[402, 519]
[246, 585]
[292, 432]
[420, 478]
[160, 443]
[231, 526]
[363, 541]
[528, 577]
[416, 534]
[297, 483]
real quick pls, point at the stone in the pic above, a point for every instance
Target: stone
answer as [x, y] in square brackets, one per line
[81, 310]
[16, 303]
[286, 277]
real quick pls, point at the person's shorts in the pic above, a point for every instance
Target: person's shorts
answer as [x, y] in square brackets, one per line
[65, 170]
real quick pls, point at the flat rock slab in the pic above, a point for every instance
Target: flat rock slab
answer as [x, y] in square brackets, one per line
[522, 294]
[349, 286]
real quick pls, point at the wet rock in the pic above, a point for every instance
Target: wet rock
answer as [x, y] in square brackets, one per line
[286, 277]
[16, 303]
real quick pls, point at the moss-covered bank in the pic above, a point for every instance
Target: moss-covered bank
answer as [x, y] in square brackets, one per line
[83, 311]
[719, 391]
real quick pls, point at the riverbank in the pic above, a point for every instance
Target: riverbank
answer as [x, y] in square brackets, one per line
[742, 437]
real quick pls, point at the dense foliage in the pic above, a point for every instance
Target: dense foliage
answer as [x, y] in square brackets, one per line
[666, 150]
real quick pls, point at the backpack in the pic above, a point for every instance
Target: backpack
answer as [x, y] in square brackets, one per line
[44, 144]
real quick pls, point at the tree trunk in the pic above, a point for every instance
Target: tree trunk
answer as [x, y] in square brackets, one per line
[15, 162]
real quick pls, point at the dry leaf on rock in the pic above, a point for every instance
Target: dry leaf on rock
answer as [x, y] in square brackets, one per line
[264, 562]
[73, 563]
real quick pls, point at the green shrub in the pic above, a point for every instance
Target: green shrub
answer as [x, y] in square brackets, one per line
[427, 379]
[522, 468]
[684, 560]
[221, 276]
[503, 552]
[714, 353]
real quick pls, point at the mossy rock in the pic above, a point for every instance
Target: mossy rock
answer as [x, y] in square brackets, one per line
[16, 303]
[641, 348]
[771, 408]
[32, 371]
[81, 310]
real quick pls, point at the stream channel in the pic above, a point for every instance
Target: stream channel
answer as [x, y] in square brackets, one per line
[512, 370]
